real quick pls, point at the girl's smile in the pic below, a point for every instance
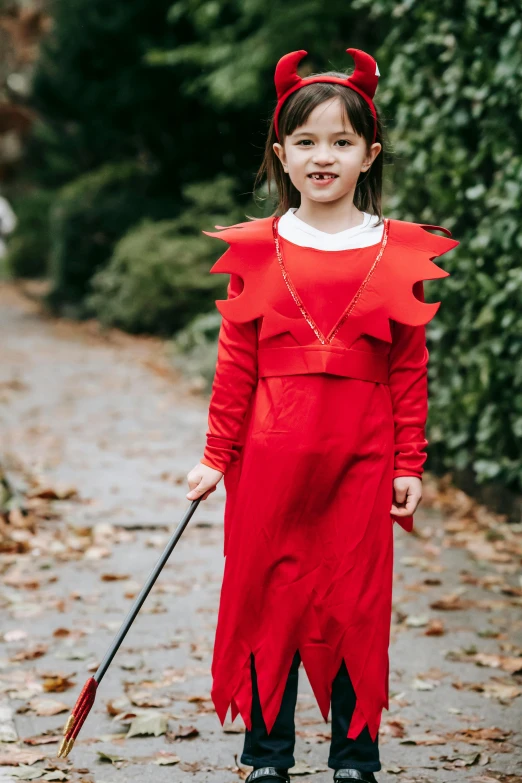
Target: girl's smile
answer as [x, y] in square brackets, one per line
[324, 159]
[322, 180]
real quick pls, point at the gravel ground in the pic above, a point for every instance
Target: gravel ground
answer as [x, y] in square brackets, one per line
[107, 414]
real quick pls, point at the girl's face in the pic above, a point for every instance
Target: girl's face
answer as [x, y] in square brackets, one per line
[326, 145]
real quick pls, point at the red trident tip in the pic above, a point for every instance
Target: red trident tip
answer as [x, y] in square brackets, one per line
[77, 717]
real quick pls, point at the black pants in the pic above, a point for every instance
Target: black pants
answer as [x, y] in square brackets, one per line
[277, 748]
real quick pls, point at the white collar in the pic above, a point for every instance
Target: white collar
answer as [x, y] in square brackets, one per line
[300, 233]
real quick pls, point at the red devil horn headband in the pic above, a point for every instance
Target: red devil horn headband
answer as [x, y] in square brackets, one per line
[363, 80]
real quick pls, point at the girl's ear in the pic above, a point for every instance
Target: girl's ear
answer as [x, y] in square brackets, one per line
[280, 152]
[375, 150]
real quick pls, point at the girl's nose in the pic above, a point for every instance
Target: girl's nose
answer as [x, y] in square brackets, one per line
[323, 156]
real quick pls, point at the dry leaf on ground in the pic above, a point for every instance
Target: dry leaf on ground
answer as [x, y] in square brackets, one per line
[48, 706]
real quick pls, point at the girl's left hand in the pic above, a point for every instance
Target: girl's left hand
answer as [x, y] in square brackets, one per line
[407, 495]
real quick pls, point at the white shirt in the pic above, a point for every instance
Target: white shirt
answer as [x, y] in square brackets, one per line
[300, 233]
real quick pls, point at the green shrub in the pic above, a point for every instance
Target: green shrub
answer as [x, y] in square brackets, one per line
[28, 246]
[158, 277]
[88, 217]
[157, 280]
[194, 349]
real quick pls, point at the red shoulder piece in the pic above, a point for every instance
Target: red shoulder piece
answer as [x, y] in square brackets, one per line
[407, 259]
[248, 256]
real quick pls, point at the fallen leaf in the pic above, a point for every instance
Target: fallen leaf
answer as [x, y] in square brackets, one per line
[114, 577]
[48, 706]
[43, 739]
[148, 723]
[422, 685]
[504, 662]
[451, 602]
[417, 621]
[500, 690]
[119, 735]
[145, 699]
[435, 628]
[193, 766]
[462, 759]
[13, 756]
[492, 733]
[166, 759]
[126, 717]
[27, 773]
[72, 653]
[117, 706]
[186, 732]
[112, 757]
[97, 552]
[57, 684]
[31, 653]
[393, 728]
[15, 635]
[56, 492]
[8, 731]
[130, 663]
[19, 579]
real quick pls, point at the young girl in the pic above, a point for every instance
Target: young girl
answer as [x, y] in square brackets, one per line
[317, 422]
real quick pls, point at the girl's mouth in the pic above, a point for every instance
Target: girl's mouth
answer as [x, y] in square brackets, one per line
[322, 179]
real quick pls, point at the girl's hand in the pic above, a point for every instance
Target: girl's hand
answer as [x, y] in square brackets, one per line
[407, 495]
[202, 479]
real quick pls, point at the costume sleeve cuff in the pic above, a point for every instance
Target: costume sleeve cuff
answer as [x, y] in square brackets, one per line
[215, 464]
[405, 472]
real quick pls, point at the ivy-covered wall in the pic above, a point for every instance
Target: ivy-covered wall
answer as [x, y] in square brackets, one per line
[452, 86]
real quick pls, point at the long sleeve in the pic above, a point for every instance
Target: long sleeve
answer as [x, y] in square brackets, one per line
[408, 379]
[232, 388]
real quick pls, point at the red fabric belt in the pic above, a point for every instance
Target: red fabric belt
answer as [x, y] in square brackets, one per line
[304, 359]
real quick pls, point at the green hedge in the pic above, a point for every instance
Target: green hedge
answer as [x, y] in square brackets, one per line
[158, 277]
[451, 81]
[194, 349]
[87, 219]
[28, 246]
[156, 280]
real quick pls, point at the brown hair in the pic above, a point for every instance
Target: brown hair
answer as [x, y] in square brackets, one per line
[295, 112]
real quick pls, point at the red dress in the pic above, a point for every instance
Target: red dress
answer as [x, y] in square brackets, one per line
[318, 402]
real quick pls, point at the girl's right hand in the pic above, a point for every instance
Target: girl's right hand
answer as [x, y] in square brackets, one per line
[202, 480]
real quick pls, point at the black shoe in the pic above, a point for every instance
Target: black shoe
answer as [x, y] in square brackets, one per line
[268, 773]
[354, 774]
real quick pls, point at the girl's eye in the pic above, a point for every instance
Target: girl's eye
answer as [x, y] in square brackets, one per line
[346, 142]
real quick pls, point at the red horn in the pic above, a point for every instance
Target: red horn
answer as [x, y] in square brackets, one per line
[366, 73]
[286, 75]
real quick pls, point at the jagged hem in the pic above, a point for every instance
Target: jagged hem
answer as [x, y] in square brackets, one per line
[237, 696]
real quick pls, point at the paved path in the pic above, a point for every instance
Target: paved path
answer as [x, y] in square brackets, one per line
[107, 414]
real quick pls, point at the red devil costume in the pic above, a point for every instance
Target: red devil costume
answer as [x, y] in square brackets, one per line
[319, 401]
